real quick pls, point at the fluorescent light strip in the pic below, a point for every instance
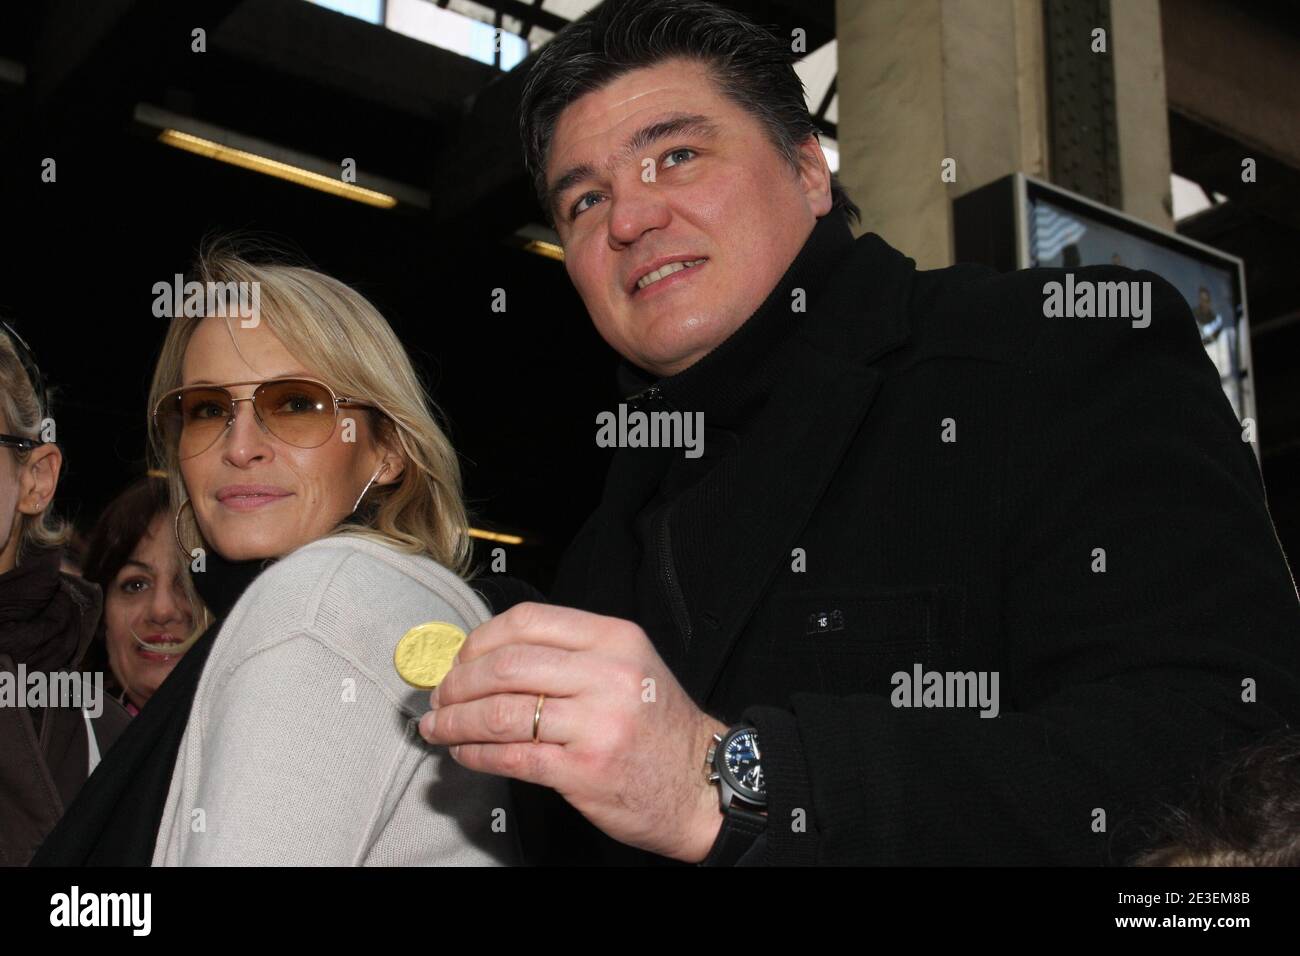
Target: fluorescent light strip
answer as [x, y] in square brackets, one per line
[495, 536]
[271, 167]
[540, 241]
[271, 155]
[548, 249]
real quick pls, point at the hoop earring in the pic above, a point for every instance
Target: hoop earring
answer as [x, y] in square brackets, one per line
[176, 524]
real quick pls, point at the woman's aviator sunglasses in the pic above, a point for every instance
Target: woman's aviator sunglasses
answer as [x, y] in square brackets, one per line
[299, 411]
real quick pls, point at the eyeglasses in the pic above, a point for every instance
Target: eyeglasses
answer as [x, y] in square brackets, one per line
[22, 444]
[299, 411]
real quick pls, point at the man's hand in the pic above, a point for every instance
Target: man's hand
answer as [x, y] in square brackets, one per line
[620, 738]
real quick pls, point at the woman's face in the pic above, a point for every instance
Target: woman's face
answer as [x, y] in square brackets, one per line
[146, 601]
[26, 488]
[254, 495]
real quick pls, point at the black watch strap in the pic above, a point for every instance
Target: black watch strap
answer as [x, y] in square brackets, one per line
[740, 828]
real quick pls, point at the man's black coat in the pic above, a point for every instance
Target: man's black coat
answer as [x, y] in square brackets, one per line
[937, 474]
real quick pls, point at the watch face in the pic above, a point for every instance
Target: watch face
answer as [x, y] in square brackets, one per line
[741, 759]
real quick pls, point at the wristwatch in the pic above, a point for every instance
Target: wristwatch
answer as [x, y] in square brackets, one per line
[734, 763]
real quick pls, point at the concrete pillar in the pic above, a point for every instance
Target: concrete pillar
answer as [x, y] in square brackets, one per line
[1142, 110]
[924, 81]
[921, 81]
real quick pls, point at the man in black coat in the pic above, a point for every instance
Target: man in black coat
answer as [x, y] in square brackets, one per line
[967, 568]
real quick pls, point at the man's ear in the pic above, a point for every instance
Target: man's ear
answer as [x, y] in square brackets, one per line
[815, 176]
[38, 477]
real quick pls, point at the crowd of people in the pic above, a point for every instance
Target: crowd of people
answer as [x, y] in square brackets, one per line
[303, 511]
[376, 531]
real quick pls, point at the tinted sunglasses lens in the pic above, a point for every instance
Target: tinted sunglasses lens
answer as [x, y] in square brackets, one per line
[193, 419]
[296, 412]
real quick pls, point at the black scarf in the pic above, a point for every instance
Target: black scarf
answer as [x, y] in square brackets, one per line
[115, 818]
[45, 616]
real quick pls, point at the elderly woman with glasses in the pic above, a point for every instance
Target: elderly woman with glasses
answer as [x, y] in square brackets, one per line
[49, 743]
[318, 506]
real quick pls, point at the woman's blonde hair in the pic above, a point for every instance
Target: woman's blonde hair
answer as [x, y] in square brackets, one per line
[345, 342]
[24, 411]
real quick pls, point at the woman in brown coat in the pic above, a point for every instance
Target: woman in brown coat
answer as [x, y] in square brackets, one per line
[52, 730]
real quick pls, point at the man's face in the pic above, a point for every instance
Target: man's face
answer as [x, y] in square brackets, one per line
[658, 167]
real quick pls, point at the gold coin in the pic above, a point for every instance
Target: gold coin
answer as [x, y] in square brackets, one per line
[423, 655]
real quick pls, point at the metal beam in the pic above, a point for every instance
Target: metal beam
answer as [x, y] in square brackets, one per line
[1081, 101]
[344, 55]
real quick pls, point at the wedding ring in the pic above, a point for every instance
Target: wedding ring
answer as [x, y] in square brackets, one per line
[537, 719]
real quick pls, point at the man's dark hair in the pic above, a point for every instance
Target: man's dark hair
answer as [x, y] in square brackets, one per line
[1245, 813]
[750, 65]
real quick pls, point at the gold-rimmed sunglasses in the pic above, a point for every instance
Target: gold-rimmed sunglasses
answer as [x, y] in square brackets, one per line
[299, 411]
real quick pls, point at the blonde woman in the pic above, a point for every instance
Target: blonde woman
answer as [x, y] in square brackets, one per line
[319, 505]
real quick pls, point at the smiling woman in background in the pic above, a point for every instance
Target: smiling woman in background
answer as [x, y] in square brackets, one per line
[319, 503]
[147, 623]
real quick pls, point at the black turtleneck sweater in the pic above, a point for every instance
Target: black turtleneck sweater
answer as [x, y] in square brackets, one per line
[728, 385]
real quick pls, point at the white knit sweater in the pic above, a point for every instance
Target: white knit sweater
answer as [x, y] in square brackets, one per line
[301, 747]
